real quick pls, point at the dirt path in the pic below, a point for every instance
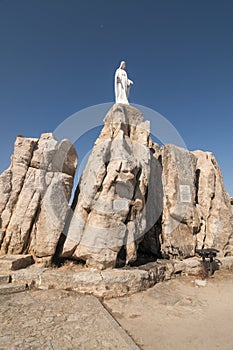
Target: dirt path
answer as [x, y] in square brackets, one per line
[179, 315]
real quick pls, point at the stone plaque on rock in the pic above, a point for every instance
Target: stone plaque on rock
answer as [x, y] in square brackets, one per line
[185, 194]
[120, 204]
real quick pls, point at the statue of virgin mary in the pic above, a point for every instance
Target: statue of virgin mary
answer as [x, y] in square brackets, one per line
[122, 84]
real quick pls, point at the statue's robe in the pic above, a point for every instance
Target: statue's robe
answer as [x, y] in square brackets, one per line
[122, 86]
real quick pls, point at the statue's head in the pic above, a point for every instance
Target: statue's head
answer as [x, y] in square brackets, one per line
[123, 65]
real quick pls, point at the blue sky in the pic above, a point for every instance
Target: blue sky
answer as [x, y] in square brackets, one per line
[59, 56]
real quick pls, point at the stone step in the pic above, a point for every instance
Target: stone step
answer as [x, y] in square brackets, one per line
[15, 262]
[4, 279]
[12, 288]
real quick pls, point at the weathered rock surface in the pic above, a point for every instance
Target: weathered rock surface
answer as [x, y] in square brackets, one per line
[34, 196]
[196, 211]
[15, 262]
[108, 283]
[113, 204]
[56, 319]
[180, 221]
[135, 196]
[213, 204]
[135, 201]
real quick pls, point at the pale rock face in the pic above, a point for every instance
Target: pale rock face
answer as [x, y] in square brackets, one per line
[196, 207]
[111, 209]
[34, 196]
[180, 220]
[11, 180]
[214, 206]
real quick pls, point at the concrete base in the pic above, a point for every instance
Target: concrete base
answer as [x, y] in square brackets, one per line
[113, 282]
[107, 283]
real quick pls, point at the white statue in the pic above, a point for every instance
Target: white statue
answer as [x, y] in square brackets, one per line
[122, 84]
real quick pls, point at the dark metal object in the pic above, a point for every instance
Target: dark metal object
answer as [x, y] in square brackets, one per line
[208, 253]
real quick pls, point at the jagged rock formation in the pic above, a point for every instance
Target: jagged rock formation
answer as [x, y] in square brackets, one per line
[133, 198]
[180, 221]
[34, 196]
[213, 204]
[114, 208]
[196, 211]
[166, 202]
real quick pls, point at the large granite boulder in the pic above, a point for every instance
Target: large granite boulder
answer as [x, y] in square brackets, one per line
[113, 206]
[196, 208]
[35, 191]
[213, 204]
[180, 220]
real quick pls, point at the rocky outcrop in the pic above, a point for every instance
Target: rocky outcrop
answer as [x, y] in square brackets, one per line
[135, 197]
[134, 200]
[113, 203]
[34, 196]
[213, 204]
[180, 220]
[196, 208]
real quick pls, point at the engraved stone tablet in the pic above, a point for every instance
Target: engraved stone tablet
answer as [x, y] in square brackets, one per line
[120, 204]
[185, 194]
